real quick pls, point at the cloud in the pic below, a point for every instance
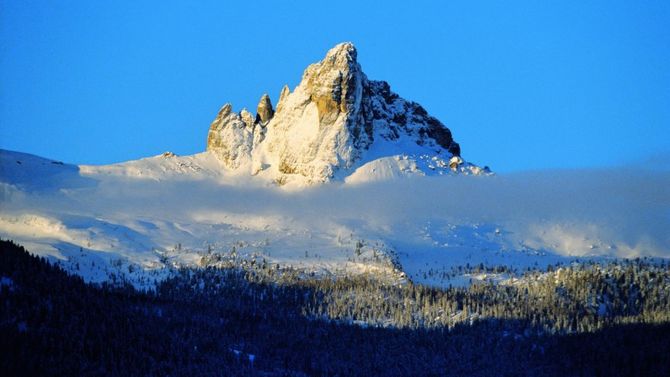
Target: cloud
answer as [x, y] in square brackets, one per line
[620, 212]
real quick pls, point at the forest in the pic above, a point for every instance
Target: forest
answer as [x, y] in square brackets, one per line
[589, 319]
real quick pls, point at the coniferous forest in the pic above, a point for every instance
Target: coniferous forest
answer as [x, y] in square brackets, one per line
[579, 320]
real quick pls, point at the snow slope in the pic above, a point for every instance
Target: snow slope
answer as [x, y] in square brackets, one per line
[136, 218]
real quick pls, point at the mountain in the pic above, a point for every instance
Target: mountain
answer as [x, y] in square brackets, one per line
[344, 177]
[335, 122]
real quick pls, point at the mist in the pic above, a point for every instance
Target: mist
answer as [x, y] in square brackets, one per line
[618, 212]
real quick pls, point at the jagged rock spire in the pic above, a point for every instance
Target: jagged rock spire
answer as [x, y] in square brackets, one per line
[285, 91]
[264, 111]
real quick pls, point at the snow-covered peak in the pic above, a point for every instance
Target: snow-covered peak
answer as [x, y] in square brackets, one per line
[344, 49]
[334, 122]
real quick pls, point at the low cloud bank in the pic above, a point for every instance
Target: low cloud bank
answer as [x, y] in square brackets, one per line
[621, 212]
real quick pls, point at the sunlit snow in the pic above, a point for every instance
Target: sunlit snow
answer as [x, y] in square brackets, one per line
[140, 215]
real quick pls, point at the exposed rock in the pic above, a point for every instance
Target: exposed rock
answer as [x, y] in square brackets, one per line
[455, 162]
[335, 83]
[328, 123]
[264, 111]
[285, 91]
[229, 138]
[317, 130]
[224, 111]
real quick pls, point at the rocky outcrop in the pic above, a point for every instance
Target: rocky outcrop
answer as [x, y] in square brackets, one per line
[327, 124]
[285, 91]
[230, 137]
[317, 130]
[233, 136]
[264, 111]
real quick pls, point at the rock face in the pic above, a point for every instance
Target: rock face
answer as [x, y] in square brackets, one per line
[319, 127]
[334, 121]
[264, 111]
[230, 137]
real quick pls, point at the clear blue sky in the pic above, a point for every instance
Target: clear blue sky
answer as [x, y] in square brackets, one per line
[522, 85]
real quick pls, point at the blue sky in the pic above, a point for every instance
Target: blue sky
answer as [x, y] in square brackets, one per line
[522, 85]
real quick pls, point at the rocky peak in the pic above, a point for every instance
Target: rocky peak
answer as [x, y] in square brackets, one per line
[344, 52]
[334, 83]
[264, 111]
[328, 124]
[285, 91]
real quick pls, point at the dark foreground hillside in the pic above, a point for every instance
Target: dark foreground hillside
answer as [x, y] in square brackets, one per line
[222, 322]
